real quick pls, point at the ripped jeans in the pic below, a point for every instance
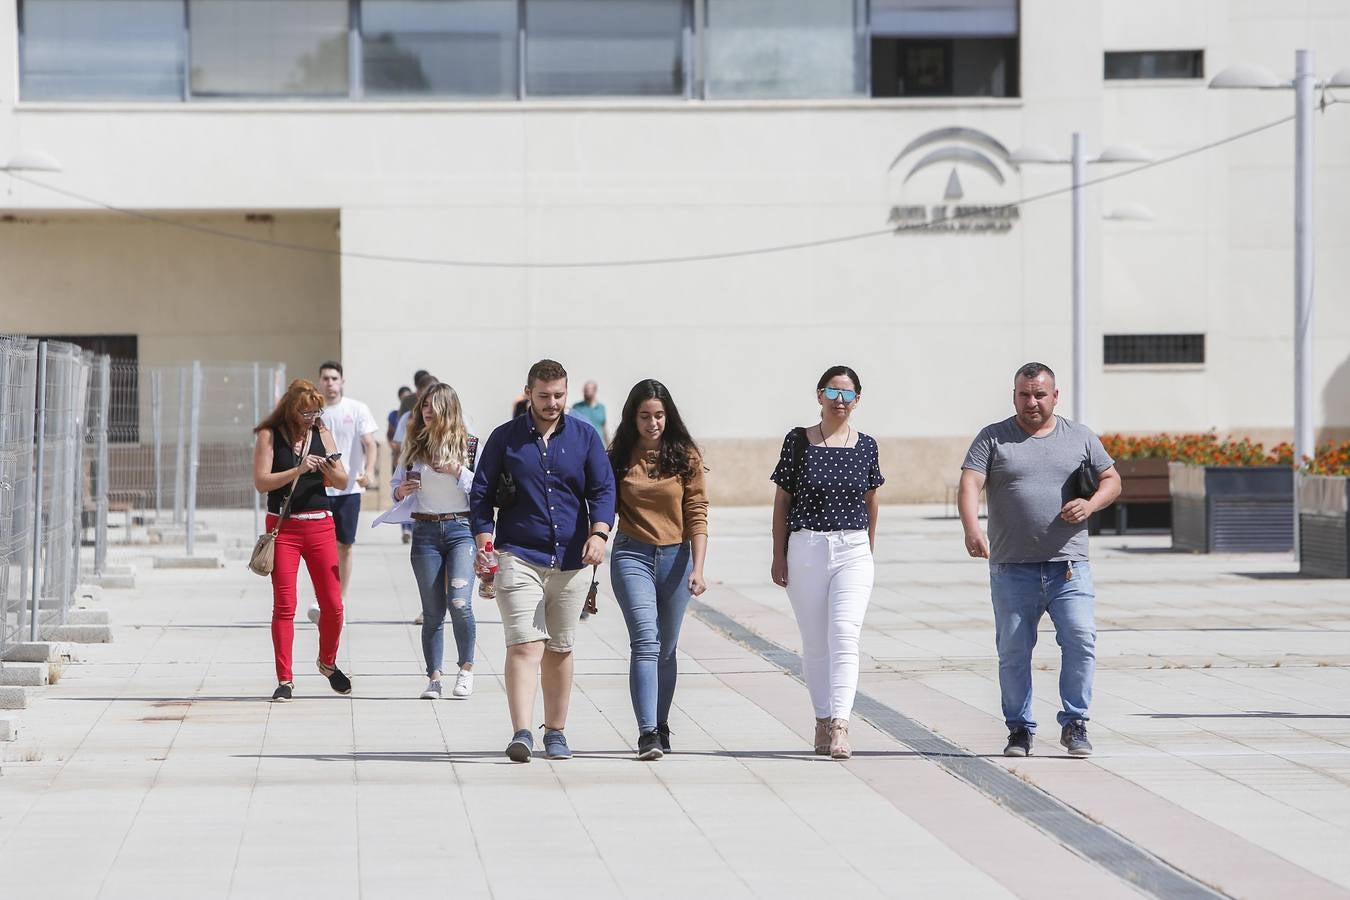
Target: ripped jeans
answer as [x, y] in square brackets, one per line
[442, 561]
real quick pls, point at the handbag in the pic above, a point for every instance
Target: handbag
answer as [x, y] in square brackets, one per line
[265, 547]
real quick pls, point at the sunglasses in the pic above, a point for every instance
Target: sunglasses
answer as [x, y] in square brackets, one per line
[836, 393]
[312, 414]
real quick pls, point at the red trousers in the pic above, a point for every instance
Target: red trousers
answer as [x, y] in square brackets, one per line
[315, 541]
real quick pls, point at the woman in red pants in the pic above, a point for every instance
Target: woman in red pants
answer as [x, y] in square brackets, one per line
[294, 448]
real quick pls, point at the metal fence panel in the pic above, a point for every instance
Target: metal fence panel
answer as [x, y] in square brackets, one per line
[18, 393]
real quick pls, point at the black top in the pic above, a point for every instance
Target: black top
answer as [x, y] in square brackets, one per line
[309, 493]
[827, 494]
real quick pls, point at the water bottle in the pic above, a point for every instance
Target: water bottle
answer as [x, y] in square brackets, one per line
[486, 588]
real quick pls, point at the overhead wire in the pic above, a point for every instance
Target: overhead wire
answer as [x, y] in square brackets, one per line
[956, 216]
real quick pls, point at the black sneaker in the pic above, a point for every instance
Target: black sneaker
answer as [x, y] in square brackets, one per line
[1074, 738]
[521, 748]
[663, 730]
[336, 680]
[1019, 743]
[649, 745]
[283, 692]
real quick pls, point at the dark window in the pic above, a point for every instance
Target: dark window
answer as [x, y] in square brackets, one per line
[944, 48]
[1135, 64]
[1153, 349]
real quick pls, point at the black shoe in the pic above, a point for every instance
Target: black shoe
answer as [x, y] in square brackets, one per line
[649, 745]
[663, 731]
[283, 693]
[1074, 738]
[1019, 743]
[336, 680]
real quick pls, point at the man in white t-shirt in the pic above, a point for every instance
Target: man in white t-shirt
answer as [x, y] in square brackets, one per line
[354, 430]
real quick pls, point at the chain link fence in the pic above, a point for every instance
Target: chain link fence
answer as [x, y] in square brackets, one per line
[97, 453]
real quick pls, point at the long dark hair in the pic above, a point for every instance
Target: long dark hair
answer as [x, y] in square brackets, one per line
[676, 444]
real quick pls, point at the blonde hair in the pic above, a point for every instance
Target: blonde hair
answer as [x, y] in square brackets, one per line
[442, 440]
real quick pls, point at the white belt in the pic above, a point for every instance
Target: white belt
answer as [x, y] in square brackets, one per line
[311, 515]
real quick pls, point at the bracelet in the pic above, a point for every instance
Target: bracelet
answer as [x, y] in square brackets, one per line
[602, 535]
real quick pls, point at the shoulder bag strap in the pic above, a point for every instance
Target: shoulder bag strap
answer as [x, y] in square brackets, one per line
[286, 506]
[472, 453]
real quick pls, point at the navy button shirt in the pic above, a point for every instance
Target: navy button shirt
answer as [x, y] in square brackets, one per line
[562, 487]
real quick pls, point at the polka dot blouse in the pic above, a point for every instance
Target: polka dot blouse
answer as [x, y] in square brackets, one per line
[833, 481]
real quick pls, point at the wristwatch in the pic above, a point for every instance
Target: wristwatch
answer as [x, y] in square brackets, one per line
[602, 535]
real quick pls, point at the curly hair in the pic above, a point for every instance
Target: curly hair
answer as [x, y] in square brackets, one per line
[678, 455]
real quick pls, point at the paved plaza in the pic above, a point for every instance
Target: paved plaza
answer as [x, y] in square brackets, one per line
[156, 767]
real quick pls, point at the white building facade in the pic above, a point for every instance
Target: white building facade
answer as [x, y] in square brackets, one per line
[412, 184]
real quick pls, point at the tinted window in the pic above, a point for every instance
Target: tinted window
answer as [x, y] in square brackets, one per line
[604, 47]
[1155, 64]
[101, 49]
[447, 48]
[268, 48]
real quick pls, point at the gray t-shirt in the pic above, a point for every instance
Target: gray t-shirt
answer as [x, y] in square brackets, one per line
[1028, 481]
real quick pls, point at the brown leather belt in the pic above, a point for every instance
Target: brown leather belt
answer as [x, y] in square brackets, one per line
[438, 517]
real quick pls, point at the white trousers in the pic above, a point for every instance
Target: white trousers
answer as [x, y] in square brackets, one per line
[829, 584]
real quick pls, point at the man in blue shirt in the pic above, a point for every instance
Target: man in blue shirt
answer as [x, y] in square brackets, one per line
[553, 486]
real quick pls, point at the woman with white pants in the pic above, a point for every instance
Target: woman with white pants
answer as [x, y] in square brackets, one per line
[824, 529]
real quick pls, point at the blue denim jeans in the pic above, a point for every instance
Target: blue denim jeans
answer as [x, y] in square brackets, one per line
[442, 563]
[652, 586]
[1022, 593]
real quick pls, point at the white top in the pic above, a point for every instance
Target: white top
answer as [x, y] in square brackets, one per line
[348, 420]
[402, 511]
[440, 493]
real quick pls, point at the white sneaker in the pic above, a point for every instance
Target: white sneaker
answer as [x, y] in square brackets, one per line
[463, 683]
[314, 613]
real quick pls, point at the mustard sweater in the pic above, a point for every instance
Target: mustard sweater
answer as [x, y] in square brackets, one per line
[662, 509]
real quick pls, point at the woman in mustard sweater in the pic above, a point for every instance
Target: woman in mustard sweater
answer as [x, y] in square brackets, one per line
[662, 538]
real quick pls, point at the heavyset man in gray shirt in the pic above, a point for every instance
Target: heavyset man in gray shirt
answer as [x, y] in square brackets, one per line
[1038, 548]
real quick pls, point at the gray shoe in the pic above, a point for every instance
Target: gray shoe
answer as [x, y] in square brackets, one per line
[555, 744]
[1073, 737]
[521, 747]
[433, 691]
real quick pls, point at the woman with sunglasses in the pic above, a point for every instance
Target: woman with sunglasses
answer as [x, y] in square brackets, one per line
[294, 456]
[431, 483]
[662, 538]
[824, 529]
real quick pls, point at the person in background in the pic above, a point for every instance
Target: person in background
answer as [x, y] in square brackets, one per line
[591, 409]
[824, 532]
[395, 449]
[519, 405]
[431, 484]
[353, 429]
[548, 528]
[293, 456]
[657, 563]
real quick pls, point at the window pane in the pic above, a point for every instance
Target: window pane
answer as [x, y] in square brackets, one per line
[102, 50]
[453, 48]
[945, 18]
[604, 47]
[268, 48]
[1155, 64]
[781, 48]
[955, 67]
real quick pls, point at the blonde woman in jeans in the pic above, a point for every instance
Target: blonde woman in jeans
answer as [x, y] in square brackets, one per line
[657, 563]
[824, 531]
[431, 484]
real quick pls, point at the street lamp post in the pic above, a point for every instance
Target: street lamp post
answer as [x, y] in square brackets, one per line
[1078, 160]
[1304, 85]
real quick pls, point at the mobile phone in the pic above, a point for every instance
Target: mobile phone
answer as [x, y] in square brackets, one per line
[333, 457]
[414, 475]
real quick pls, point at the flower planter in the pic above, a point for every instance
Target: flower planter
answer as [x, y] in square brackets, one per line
[1232, 509]
[1324, 538]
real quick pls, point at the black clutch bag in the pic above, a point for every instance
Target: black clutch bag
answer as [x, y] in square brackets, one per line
[1084, 482]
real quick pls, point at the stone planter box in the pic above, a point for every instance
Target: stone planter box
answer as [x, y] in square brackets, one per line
[1324, 538]
[1145, 497]
[1232, 509]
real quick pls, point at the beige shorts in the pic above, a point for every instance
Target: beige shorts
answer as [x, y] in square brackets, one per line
[540, 604]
